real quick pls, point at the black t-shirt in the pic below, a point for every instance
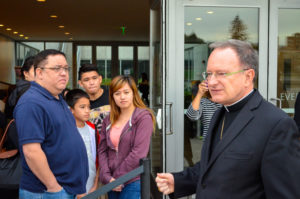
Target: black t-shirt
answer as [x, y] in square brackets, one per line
[101, 101]
[100, 108]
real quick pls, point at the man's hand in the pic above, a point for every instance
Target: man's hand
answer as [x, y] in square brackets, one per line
[55, 188]
[80, 196]
[165, 183]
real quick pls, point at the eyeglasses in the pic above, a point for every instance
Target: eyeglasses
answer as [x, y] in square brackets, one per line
[220, 75]
[58, 69]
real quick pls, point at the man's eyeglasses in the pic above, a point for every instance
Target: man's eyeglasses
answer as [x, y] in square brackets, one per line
[220, 75]
[58, 69]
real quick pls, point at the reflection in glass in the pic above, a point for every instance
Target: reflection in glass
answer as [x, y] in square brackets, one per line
[104, 63]
[126, 60]
[203, 26]
[288, 73]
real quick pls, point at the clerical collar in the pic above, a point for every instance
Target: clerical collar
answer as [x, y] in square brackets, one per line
[240, 103]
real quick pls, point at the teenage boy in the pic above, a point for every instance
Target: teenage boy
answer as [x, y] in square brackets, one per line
[79, 103]
[90, 80]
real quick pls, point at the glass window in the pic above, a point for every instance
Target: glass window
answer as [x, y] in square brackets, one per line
[104, 63]
[37, 45]
[288, 73]
[204, 25]
[143, 61]
[21, 57]
[126, 60]
[84, 56]
[24, 51]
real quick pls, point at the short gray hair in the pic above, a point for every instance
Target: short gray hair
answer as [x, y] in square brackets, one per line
[248, 56]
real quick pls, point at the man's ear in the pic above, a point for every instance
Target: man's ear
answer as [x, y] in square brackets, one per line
[80, 83]
[25, 73]
[250, 74]
[39, 73]
[100, 79]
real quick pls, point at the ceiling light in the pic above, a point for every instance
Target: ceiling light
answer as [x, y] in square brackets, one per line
[67, 33]
[61, 26]
[8, 29]
[26, 37]
[53, 16]
[21, 35]
[198, 18]
[15, 32]
[210, 12]
[189, 24]
[41, 0]
[1, 25]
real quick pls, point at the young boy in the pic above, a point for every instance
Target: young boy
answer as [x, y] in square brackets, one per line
[79, 103]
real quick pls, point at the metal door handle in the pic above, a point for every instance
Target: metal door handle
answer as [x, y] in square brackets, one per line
[158, 118]
[277, 99]
[170, 122]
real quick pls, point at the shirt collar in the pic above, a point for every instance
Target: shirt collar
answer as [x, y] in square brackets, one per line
[238, 104]
[44, 91]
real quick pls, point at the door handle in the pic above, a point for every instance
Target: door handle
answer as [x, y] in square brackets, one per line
[158, 118]
[170, 132]
[277, 99]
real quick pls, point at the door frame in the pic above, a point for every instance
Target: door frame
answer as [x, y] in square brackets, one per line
[275, 5]
[175, 71]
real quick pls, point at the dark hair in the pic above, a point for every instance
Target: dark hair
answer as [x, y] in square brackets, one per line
[3, 94]
[41, 58]
[65, 92]
[87, 68]
[74, 95]
[248, 56]
[144, 77]
[28, 63]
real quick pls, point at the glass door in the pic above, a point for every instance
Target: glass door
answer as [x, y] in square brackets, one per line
[192, 26]
[284, 39]
[204, 25]
[156, 81]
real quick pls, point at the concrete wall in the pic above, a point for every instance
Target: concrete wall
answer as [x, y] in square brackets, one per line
[7, 61]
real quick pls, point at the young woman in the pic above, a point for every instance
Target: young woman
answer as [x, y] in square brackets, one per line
[125, 137]
[202, 107]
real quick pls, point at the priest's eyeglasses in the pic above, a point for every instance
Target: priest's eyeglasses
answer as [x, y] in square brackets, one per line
[220, 75]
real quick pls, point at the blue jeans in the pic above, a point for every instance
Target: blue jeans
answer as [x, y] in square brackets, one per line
[24, 194]
[130, 191]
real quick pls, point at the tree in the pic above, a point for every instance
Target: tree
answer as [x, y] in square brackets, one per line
[238, 29]
[192, 38]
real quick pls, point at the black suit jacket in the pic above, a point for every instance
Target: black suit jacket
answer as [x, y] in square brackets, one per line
[297, 111]
[258, 158]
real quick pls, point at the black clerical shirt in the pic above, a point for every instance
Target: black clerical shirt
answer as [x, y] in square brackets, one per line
[228, 114]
